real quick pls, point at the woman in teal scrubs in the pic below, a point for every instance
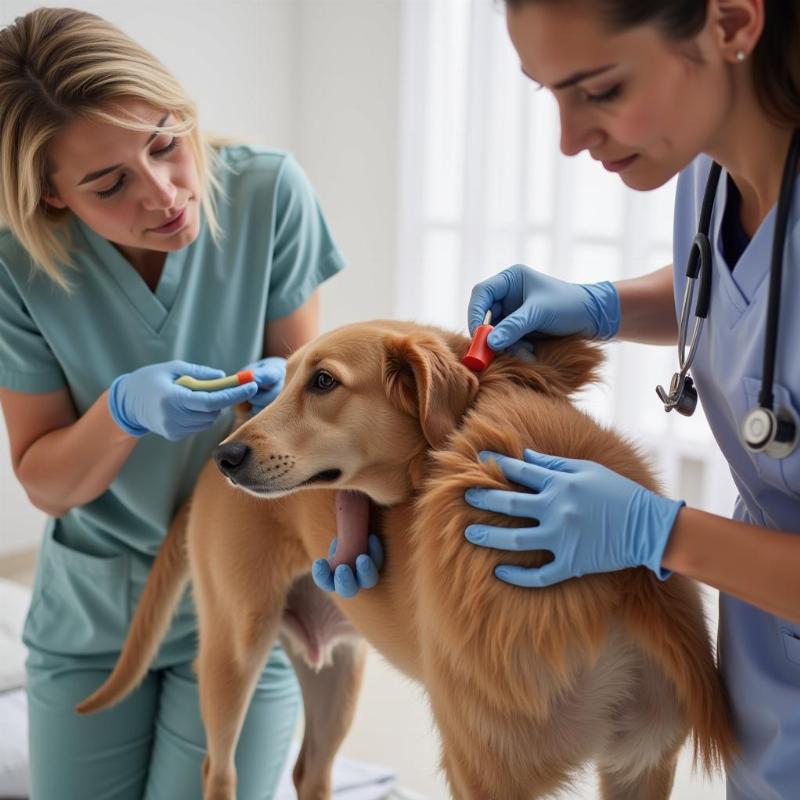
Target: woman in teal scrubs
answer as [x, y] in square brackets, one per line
[654, 89]
[134, 252]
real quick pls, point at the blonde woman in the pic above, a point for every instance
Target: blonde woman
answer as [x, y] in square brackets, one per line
[133, 253]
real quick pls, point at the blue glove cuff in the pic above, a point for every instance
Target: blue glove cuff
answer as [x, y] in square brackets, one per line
[662, 513]
[115, 407]
[603, 307]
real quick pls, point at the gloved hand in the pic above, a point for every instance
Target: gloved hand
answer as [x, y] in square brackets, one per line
[343, 581]
[269, 374]
[148, 400]
[591, 518]
[524, 301]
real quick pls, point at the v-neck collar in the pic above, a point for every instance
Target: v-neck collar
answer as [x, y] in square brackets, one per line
[734, 238]
[742, 284]
[153, 306]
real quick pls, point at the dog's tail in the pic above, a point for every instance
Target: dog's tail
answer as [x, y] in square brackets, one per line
[165, 584]
[668, 621]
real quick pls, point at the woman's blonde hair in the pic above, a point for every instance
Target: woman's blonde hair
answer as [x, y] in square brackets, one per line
[59, 63]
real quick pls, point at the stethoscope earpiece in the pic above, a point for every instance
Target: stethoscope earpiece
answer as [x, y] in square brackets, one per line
[682, 395]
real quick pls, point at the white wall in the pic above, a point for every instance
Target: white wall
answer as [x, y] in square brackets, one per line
[347, 71]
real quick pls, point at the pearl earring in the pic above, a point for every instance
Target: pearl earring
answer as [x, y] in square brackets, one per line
[741, 55]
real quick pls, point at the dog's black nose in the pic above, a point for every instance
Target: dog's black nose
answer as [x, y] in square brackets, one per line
[231, 457]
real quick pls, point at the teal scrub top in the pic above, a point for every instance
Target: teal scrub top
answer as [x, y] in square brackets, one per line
[759, 652]
[210, 307]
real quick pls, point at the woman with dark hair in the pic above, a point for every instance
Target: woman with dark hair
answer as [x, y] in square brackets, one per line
[708, 90]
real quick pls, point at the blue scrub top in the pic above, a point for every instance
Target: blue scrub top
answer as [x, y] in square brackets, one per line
[210, 307]
[759, 652]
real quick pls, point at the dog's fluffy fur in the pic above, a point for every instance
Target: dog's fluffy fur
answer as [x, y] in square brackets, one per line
[526, 686]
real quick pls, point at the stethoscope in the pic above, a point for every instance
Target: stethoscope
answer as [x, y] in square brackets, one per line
[763, 429]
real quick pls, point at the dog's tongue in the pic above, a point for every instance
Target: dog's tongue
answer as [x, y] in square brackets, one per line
[352, 523]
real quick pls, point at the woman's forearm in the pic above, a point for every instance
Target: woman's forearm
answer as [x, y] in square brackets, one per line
[758, 565]
[72, 465]
[647, 310]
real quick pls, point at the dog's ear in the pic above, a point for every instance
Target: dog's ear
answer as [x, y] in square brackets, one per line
[424, 378]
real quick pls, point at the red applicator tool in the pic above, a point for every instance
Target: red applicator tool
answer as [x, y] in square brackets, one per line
[480, 355]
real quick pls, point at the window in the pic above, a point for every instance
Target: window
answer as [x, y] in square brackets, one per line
[483, 185]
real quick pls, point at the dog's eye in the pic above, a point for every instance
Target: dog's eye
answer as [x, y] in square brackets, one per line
[323, 381]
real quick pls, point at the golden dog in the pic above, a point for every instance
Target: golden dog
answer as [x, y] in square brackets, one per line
[526, 686]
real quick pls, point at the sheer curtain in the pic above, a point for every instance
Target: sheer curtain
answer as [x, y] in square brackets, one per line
[483, 185]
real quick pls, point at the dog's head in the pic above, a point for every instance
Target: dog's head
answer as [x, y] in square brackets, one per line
[363, 404]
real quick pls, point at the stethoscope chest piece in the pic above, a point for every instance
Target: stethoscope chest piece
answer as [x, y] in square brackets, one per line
[764, 431]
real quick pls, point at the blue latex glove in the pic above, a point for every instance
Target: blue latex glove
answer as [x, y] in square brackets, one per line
[269, 374]
[148, 400]
[526, 302]
[591, 518]
[343, 581]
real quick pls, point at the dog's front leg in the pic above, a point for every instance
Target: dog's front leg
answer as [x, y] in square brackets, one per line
[232, 654]
[228, 670]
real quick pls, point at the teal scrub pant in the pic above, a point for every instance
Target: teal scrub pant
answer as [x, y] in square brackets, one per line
[151, 746]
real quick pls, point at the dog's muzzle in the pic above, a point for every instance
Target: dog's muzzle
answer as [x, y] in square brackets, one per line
[240, 465]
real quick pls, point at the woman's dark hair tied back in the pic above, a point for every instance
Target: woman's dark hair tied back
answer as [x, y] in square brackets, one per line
[775, 59]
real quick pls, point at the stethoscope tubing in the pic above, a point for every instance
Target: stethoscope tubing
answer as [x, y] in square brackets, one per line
[763, 430]
[699, 261]
[765, 395]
